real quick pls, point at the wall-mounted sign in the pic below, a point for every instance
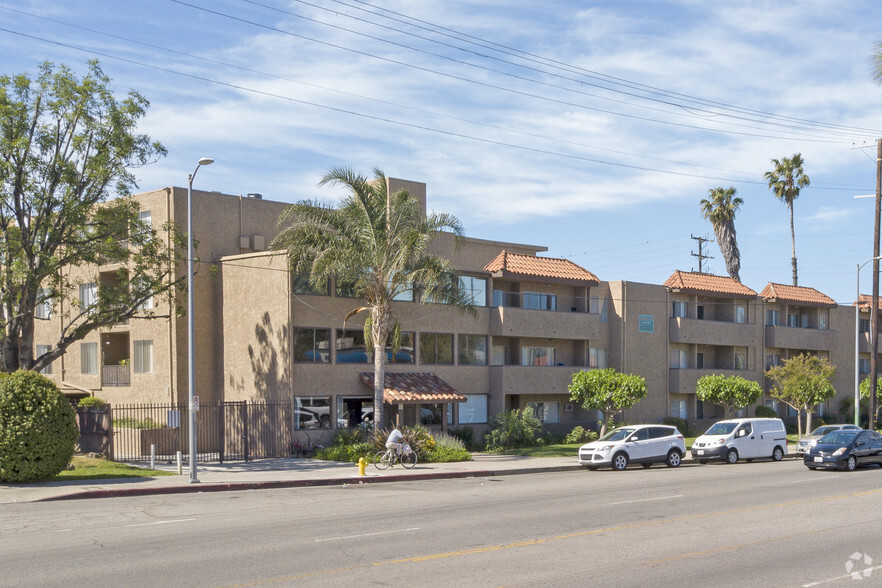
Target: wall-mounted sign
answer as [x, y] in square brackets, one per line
[646, 323]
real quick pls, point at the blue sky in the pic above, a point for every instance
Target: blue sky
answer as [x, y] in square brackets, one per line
[591, 128]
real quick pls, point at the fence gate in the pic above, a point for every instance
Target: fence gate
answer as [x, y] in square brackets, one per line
[224, 431]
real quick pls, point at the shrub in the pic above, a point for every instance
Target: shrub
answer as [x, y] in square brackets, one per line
[466, 434]
[681, 424]
[513, 429]
[91, 402]
[765, 412]
[580, 435]
[349, 453]
[38, 430]
[447, 449]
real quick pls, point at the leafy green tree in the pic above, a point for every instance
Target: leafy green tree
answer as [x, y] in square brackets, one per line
[67, 146]
[730, 392]
[803, 382]
[786, 180]
[606, 390]
[864, 388]
[719, 208]
[513, 429]
[376, 244]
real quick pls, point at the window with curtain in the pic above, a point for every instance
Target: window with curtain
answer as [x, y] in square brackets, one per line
[740, 314]
[43, 309]
[537, 356]
[88, 295]
[678, 359]
[41, 349]
[142, 358]
[89, 358]
[473, 410]
[679, 309]
[597, 357]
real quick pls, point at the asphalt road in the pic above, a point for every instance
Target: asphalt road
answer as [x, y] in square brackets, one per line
[759, 524]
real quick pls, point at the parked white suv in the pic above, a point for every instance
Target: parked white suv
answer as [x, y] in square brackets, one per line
[643, 444]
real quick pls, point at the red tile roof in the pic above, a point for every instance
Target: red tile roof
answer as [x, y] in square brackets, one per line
[403, 388]
[707, 283]
[539, 267]
[795, 294]
[866, 301]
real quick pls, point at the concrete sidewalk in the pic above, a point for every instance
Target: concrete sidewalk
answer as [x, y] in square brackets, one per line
[286, 473]
[278, 473]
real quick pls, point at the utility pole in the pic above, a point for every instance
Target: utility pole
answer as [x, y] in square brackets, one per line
[874, 309]
[701, 256]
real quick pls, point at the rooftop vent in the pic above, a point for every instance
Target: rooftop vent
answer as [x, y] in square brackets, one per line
[255, 195]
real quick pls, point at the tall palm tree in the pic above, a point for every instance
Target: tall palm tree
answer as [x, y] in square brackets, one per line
[719, 208]
[876, 63]
[786, 180]
[376, 243]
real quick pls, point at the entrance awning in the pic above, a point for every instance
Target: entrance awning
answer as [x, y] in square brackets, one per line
[409, 388]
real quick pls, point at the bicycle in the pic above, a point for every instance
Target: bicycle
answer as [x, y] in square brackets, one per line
[405, 456]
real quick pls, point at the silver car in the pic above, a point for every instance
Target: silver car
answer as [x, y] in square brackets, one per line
[807, 442]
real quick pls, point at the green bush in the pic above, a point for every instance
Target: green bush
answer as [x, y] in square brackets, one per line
[38, 429]
[513, 429]
[349, 453]
[765, 412]
[466, 434]
[580, 435]
[91, 402]
[447, 449]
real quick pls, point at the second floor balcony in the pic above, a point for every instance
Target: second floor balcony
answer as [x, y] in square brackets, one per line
[700, 331]
[799, 338]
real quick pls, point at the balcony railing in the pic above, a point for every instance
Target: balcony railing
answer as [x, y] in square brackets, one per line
[543, 301]
[116, 375]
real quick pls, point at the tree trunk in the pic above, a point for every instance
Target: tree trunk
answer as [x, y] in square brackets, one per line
[793, 245]
[808, 421]
[379, 385]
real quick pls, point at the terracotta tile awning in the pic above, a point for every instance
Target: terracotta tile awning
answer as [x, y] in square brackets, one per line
[508, 264]
[707, 283]
[410, 388]
[865, 301]
[795, 295]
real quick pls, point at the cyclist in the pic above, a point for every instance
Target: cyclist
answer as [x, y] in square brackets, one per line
[395, 441]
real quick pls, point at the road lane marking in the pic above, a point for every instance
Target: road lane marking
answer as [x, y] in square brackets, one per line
[837, 578]
[368, 534]
[126, 526]
[646, 499]
[813, 479]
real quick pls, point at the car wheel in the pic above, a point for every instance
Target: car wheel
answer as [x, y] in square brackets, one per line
[749, 460]
[851, 463]
[702, 461]
[732, 456]
[592, 468]
[620, 462]
[647, 465]
[777, 454]
[811, 467]
[674, 459]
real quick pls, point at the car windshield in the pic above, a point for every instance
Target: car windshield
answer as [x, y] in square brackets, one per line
[721, 428]
[820, 431]
[617, 435]
[839, 437]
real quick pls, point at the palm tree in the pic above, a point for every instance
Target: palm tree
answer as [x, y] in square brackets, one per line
[719, 208]
[785, 181]
[876, 63]
[376, 244]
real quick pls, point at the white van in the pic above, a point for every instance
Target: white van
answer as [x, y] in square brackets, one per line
[747, 439]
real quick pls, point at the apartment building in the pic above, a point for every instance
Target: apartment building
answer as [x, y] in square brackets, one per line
[264, 334]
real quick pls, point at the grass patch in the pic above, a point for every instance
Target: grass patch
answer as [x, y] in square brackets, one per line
[98, 468]
[560, 450]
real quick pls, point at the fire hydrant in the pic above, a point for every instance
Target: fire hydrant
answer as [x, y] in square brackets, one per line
[361, 464]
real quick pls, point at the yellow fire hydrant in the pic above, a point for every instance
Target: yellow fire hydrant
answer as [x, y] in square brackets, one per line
[361, 464]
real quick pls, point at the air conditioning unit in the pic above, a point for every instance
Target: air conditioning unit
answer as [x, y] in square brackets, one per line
[257, 242]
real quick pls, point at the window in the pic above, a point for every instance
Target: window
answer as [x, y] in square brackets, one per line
[699, 312]
[739, 361]
[773, 360]
[540, 301]
[405, 349]
[597, 357]
[142, 357]
[699, 360]
[145, 217]
[678, 359]
[740, 314]
[344, 289]
[771, 317]
[351, 348]
[792, 320]
[431, 414]
[44, 304]
[547, 412]
[678, 409]
[352, 410]
[472, 350]
[88, 358]
[804, 321]
[598, 305]
[865, 325]
[311, 345]
[312, 412]
[864, 365]
[537, 356]
[497, 354]
[679, 309]
[436, 348]
[300, 285]
[473, 410]
[141, 285]
[822, 320]
[88, 295]
[41, 349]
[475, 289]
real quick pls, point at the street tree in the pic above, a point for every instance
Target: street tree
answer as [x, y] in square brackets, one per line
[864, 388]
[785, 181]
[719, 208]
[731, 392]
[803, 382]
[375, 244]
[67, 148]
[606, 390]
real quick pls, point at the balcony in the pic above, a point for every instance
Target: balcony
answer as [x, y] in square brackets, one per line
[705, 332]
[799, 338]
[527, 379]
[116, 375]
[516, 314]
[684, 381]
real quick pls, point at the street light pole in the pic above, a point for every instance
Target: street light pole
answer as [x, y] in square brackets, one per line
[191, 368]
[857, 352]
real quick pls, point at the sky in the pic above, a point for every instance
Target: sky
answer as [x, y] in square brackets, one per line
[591, 128]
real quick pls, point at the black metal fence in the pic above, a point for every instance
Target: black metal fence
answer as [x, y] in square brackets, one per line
[225, 431]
